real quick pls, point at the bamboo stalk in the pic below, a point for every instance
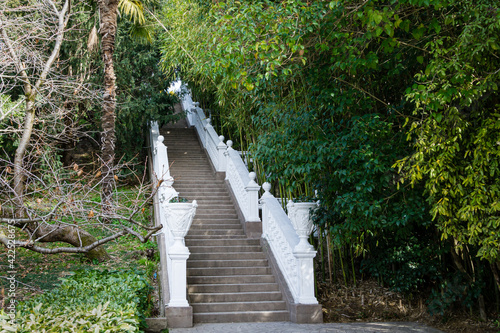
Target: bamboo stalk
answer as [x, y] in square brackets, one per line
[329, 255]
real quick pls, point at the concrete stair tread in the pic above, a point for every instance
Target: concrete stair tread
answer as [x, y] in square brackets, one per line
[241, 317]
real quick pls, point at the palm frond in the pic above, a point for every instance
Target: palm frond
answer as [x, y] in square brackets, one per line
[133, 9]
[142, 32]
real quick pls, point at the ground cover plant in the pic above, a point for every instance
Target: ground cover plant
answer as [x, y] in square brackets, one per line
[87, 301]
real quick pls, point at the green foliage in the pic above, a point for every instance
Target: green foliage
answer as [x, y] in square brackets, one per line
[455, 130]
[455, 289]
[98, 301]
[405, 265]
[141, 93]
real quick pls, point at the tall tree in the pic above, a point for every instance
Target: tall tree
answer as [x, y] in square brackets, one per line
[108, 12]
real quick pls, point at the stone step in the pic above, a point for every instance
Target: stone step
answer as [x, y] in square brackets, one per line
[214, 232]
[205, 303]
[208, 195]
[227, 263]
[180, 186]
[221, 242]
[204, 191]
[207, 237]
[215, 220]
[225, 249]
[227, 256]
[232, 288]
[212, 201]
[241, 317]
[207, 199]
[207, 279]
[227, 271]
[227, 205]
[180, 169]
[210, 226]
[196, 183]
[207, 216]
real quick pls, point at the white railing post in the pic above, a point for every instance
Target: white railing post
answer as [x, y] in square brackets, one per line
[305, 272]
[265, 213]
[221, 153]
[252, 189]
[207, 126]
[161, 167]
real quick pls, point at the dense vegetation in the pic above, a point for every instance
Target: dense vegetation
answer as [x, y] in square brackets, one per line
[387, 110]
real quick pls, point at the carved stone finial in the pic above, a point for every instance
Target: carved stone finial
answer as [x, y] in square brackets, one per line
[300, 216]
[221, 138]
[229, 144]
[161, 138]
[267, 187]
[209, 121]
[252, 175]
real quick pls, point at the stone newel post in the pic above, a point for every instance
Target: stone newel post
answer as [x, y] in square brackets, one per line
[299, 214]
[252, 189]
[221, 155]
[179, 217]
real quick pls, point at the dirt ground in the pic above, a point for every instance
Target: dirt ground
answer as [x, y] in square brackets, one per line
[368, 302]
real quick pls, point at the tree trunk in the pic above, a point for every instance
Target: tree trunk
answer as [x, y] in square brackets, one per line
[29, 120]
[108, 10]
[70, 235]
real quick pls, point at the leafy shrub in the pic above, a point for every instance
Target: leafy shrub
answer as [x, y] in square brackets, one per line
[88, 301]
[454, 290]
[404, 265]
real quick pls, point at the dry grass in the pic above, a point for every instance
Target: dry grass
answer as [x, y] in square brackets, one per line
[369, 302]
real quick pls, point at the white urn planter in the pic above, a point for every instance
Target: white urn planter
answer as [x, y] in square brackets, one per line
[299, 214]
[179, 216]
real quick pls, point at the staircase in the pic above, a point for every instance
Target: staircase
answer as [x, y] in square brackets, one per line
[228, 276]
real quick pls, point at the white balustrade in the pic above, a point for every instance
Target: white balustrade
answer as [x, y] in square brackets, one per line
[176, 219]
[294, 258]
